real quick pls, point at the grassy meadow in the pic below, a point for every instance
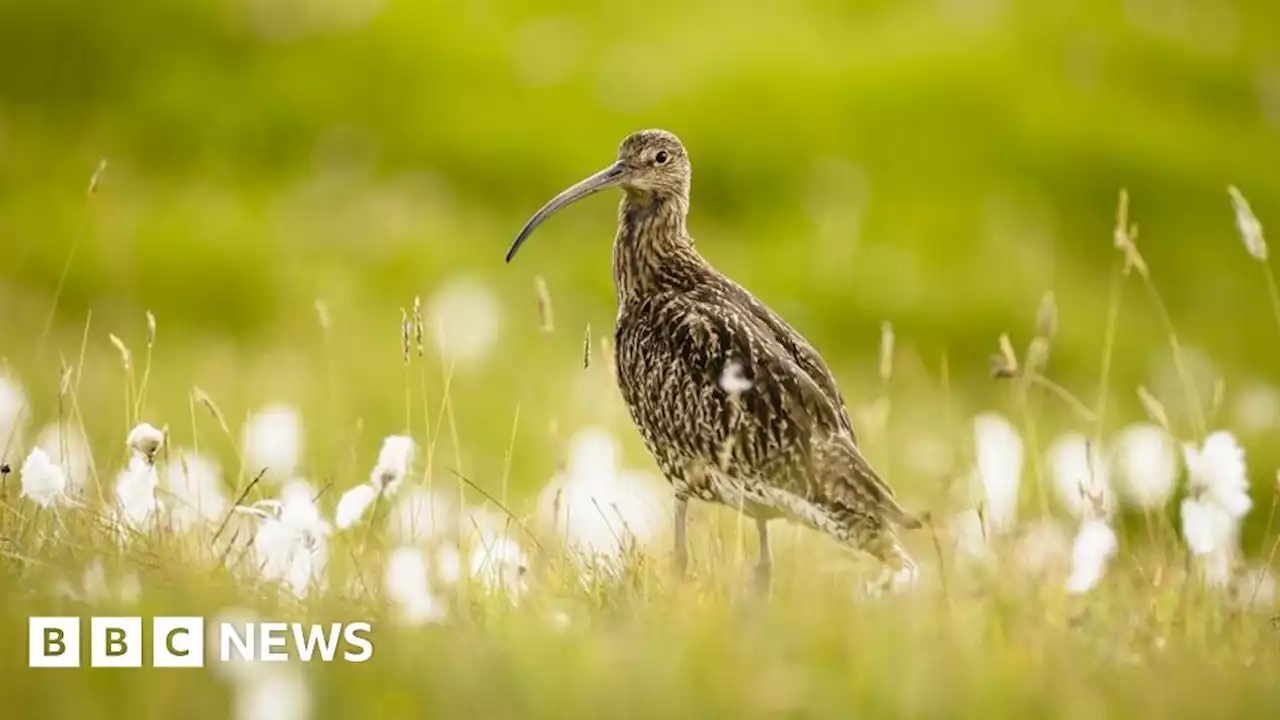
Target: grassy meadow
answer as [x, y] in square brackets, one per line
[273, 232]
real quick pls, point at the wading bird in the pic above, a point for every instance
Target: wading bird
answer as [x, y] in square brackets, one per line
[735, 406]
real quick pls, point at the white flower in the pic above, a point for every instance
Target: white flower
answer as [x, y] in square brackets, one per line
[1212, 534]
[146, 440]
[732, 380]
[1081, 476]
[195, 484]
[1147, 465]
[12, 404]
[1217, 471]
[464, 316]
[272, 441]
[1200, 525]
[66, 445]
[500, 567]
[1219, 484]
[393, 463]
[999, 452]
[600, 511]
[136, 492]
[43, 482]
[293, 547]
[1094, 546]
[353, 504]
[410, 588]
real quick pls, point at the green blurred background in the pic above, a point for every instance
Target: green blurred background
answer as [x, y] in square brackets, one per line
[934, 164]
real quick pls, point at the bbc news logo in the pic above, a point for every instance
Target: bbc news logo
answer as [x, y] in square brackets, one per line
[179, 642]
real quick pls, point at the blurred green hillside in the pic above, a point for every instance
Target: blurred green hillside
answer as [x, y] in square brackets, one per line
[934, 164]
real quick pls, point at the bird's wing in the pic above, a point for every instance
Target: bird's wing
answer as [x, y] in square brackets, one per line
[798, 348]
[711, 381]
[846, 478]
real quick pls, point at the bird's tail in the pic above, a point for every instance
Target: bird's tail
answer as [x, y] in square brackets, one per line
[851, 481]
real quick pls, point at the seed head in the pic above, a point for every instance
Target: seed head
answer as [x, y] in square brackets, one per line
[1248, 225]
[322, 315]
[1004, 365]
[419, 326]
[96, 179]
[1125, 237]
[406, 334]
[1047, 316]
[545, 312]
[886, 351]
[126, 357]
[586, 347]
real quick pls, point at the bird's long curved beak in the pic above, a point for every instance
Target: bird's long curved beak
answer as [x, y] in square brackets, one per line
[611, 176]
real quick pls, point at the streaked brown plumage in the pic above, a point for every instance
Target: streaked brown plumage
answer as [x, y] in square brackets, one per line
[735, 406]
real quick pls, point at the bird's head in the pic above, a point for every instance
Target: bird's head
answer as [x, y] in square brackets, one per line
[651, 163]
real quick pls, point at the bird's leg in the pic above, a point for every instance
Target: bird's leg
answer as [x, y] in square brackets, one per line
[763, 573]
[682, 540]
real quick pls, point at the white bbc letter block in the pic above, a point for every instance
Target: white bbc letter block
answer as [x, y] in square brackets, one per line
[53, 642]
[177, 642]
[115, 642]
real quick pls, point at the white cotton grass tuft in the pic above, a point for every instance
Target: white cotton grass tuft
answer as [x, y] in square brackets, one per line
[353, 504]
[1216, 471]
[65, 444]
[145, 440]
[1000, 455]
[1248, 224]
[501, 567]
[1081, 477]
[292, 545]
[1146, 464]
[136, 493]
[13, 402]
[394, 461]
[599, 510]
[1218, 500]
[409, 587]
[464, 315]
[1212, 535]
[1094, 546]
[195, 489]
[272, 442]
[43, 481]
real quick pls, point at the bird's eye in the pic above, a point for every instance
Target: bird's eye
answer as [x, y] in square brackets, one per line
[662, 157]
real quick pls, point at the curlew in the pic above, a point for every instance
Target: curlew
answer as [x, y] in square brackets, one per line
[735, 406]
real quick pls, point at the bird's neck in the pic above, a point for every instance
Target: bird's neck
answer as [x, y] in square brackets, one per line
[652, 250]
